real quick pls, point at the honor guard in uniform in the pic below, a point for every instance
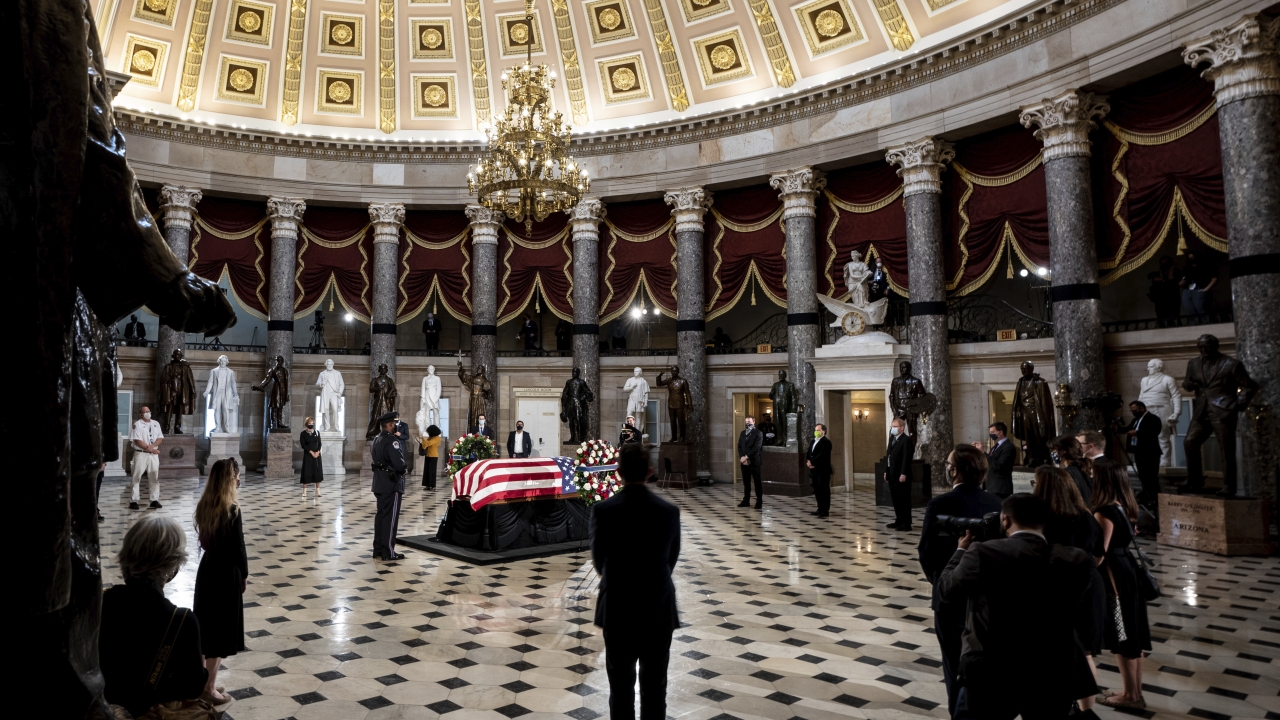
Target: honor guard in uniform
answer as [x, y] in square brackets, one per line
[388, 486]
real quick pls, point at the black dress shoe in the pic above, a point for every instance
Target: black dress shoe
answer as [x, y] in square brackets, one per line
[155, 504]
[395, 556]
[745, 503]
[903, 529]
[892, 526]
[133, 506]
[759, 506]
[822, 515]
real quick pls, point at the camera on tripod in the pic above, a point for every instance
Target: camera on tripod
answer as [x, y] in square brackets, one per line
[317, 333]
[986, 527]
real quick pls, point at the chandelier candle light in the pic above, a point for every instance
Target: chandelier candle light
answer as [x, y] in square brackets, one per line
[528, 174]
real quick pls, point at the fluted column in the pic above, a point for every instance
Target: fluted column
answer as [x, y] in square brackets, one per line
[387, 219]
[920, 165]
[1244, 65]
[285, 214]
[798, 190]
[177, 208]
[688, 205]
[585, 220]
[485, 226]
[1064, 124]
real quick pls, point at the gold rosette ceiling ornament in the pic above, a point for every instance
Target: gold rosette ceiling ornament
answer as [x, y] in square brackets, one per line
[528, 173]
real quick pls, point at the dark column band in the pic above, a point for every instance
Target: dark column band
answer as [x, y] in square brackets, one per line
[802, 319]
[691, 326]
[1268, 264]
[484, 330]
[586, 329]
[930, 307]
[280, 325]
[383, 328]
[1078, 291]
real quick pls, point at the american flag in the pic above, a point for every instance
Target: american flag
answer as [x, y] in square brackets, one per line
[485, 481]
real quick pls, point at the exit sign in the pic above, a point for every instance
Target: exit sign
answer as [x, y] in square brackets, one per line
[1002, 335]
[764, 348]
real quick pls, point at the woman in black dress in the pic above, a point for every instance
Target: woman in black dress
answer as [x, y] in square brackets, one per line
[1116, 510]
[1071, 523]
[312, 468]
[224, 570]
[1066, 453]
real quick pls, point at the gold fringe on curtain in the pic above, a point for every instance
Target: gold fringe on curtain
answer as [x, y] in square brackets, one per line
[836, 206]
[970, 180]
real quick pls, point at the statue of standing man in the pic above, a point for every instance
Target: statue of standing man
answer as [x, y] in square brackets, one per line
[1159, 392]
[785, 402]
[278, 378]
[331, 389]
[574, 400]
[638, 400]
[1033, 421]
[429, 406]
[177, 393]
[221, 391]
[679, 403]
[479, 389]
[382, 400]
[905, 388]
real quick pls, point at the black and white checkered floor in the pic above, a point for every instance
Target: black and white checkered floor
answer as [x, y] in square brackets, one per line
[786, 617]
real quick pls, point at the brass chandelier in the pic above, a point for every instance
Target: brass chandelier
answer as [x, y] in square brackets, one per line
[528, 174]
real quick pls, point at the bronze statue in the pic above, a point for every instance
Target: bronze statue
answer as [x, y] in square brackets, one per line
[277, 398]
[902, 391]
[679, 403]
[573, 406]
[479, 390]
[786, 400]
[89, 255]
[382, 400]
[1033, 421]
[1223, 388]
[177, 396]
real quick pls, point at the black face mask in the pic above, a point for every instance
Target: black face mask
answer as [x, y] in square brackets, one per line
[1055, 457]
[1139, 413]
[993, 436]
[310, 427]
[519, 427]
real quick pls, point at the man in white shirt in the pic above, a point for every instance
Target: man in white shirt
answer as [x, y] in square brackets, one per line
[145, 438]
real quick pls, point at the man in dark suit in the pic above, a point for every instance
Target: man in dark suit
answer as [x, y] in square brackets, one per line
[749, 444]
[1223, 388]
[635, 543]
[519, 444]
[431, 331]
[1143, 444]
[898, 458]
[819, 462]
[483, 427]
[1022, 595]
[965, 468]
[1000, 461]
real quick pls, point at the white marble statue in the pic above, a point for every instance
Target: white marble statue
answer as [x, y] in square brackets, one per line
[856, 275]
[856, 316]
[638, 400]
[1159, 392]
[225, 399]
[429, 406]
[119, 376]
[331, 389]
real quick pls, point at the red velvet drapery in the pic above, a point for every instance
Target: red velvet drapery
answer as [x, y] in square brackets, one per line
[435, 260]
[528, 261]
[744, 237]
[637, 250]
[233, 237]
[861, 211]
[335, 247]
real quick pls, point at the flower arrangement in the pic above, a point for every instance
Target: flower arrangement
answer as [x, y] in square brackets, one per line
[468, 449]
[594, 487]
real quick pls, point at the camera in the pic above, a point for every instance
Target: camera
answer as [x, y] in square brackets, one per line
[986, 527]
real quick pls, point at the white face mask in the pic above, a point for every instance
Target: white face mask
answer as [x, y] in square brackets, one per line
[893, 430]
[146, 416]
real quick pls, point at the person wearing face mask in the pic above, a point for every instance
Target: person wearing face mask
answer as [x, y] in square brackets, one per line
[897, 458]
[879, 285]
[819, 463]
[1143, 443]
[312, 467]
[482, 427]
[519, 444]
[749, 444]
[1000, 461]
[145, 438]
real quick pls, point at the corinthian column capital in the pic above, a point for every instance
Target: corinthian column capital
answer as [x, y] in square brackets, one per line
[387, 219]
[177, 203]
[484, 224]
[1243, 58]
[285, 213]
[1065, 122]
[798, 189]
[585, 219]
[688, 205]
[920, 164]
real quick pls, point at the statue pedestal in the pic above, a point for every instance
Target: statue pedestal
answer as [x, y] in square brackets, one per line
[223, 446]
[333, 447]
[1223, 526]
[680, 455]
[279, 456]
[782, 469]
[178, 457]
[921, 490]
[115, 468]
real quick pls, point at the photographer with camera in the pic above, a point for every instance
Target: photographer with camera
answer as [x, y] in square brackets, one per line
[945, 519]
[1022, 595]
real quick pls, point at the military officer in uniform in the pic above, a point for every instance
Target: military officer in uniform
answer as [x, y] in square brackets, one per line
[388, 486]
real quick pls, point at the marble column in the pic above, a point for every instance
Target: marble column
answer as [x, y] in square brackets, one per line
[285, 214]
[920, 165]
[177, 205]
[485, 226]
[387, 219]
[585, 220]
[1064, 123]
[1244, 65]
[688, 205]
[798, 190]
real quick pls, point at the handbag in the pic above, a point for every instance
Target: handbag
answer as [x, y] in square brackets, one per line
[1148, 586]
[1117, 617]
[197, 709]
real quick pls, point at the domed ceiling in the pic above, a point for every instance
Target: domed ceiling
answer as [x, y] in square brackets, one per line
[419, 70]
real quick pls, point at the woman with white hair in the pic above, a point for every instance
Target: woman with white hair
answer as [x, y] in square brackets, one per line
[150, 648]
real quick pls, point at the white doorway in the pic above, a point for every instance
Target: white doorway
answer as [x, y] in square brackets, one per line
[541, 418]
